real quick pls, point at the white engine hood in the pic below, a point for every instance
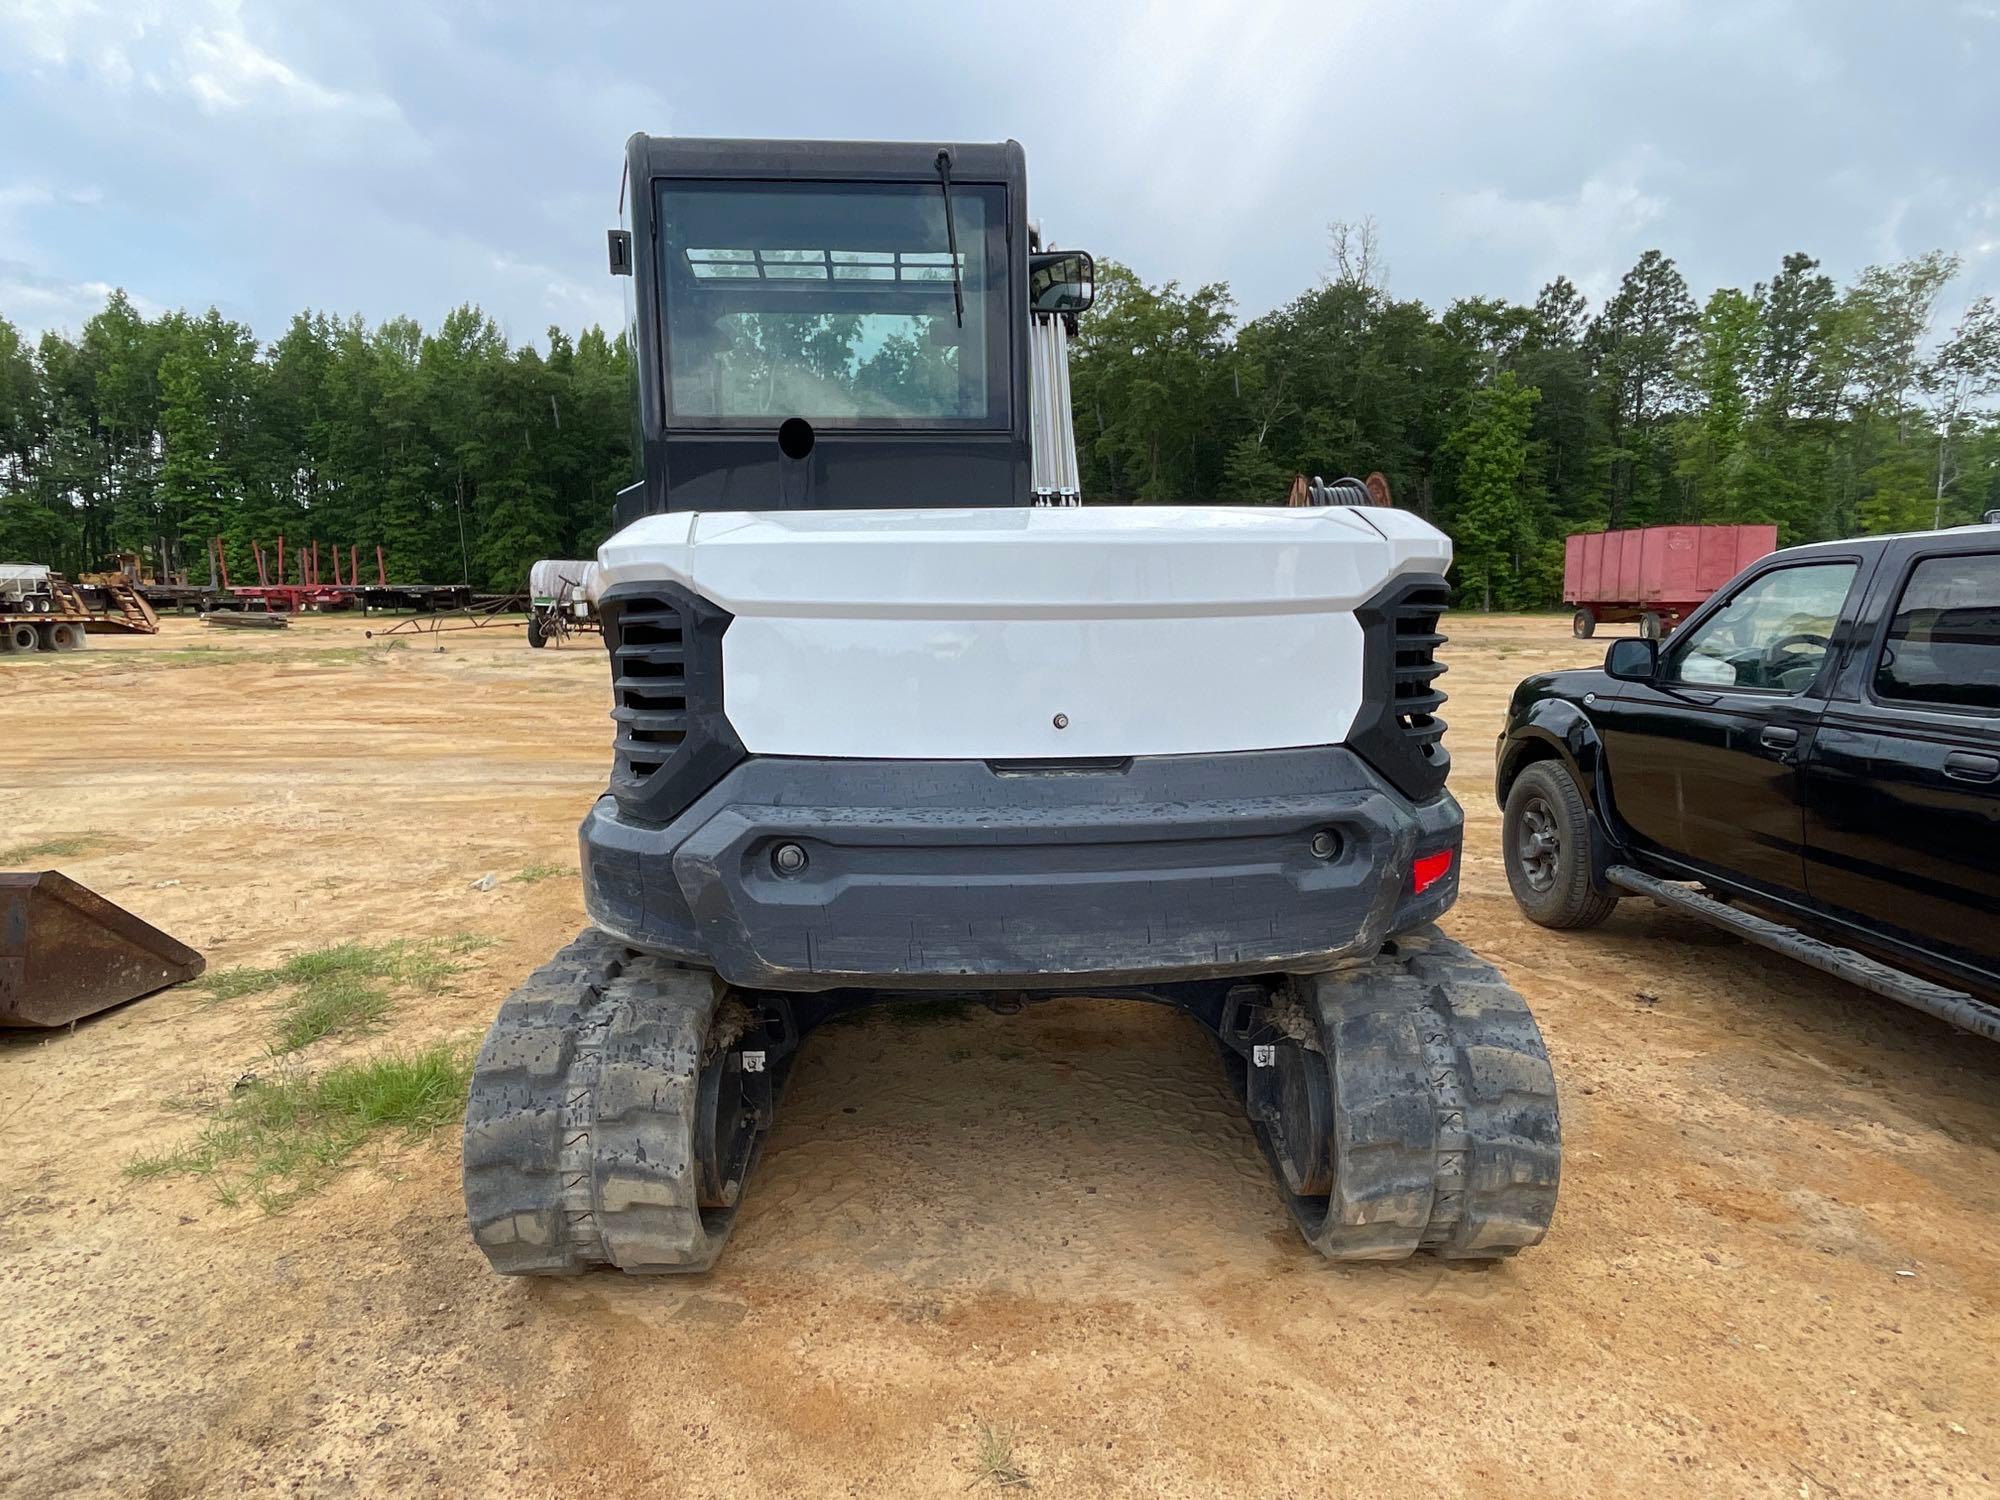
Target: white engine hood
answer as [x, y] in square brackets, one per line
[1147, 630]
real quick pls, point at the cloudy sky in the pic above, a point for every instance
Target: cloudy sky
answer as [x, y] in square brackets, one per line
[392, 156]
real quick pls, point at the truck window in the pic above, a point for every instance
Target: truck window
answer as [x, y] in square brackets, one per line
[1772, 635]
[1943, 645]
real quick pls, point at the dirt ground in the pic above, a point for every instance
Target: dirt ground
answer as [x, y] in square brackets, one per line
[1771, 1273]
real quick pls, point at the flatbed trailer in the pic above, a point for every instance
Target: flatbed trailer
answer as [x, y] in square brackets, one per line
[63, 616]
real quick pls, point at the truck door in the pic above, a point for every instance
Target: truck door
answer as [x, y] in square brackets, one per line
[1704, 761]
[1903, 783]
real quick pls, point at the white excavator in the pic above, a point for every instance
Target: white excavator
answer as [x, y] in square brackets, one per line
[897, 719]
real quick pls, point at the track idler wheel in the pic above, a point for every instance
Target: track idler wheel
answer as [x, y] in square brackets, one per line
[616, 1111]
[732, 1111]
[1408, 1104]
[1291, 1098]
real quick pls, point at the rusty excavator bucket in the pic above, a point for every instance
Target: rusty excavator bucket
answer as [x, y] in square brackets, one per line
[66, 952]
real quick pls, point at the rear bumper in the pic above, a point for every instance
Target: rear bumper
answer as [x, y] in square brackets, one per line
[955, 874]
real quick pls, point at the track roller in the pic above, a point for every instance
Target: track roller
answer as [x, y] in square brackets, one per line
[616, 1109]
[1407, 1104]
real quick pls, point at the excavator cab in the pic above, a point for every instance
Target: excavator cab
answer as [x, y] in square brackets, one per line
[844, 326]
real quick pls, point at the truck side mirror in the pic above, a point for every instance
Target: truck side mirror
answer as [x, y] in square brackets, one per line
[1062, 281]
[1632, 660]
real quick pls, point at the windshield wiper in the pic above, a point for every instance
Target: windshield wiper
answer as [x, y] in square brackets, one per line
[951, 235]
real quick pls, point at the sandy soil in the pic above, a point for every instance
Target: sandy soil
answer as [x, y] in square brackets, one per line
[1771, 1273]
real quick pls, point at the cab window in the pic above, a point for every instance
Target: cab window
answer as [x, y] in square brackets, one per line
[1772, 635]
[1943, 645]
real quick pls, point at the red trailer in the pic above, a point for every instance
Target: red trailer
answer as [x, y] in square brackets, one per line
[1655, 575]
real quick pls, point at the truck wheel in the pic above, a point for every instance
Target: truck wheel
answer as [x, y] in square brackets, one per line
[1651, 627]
[1583, 624]
[1545, 840]
[19, 636]
[535, 636]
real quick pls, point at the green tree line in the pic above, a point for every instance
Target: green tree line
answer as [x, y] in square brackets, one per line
[1828, 410]
[463, 457]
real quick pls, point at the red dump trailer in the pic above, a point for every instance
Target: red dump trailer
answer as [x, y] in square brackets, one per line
[1655, 575]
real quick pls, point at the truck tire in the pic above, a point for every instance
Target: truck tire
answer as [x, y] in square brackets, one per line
[62, 635]
[19, 636]
[1651, 627]
[535, 637]
[1545, 841]
[1583, 624]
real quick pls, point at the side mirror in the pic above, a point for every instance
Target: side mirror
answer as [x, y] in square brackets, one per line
[1062, 281]
[1632, 660]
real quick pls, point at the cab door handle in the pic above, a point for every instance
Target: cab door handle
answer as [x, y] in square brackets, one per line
[1969, 765]
[1778, 737]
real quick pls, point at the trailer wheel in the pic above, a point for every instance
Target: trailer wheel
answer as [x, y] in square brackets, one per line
[1545, 841]
[19, 636]
[62, 635]
[1651, 627]
[535, 636]
[1583, 624]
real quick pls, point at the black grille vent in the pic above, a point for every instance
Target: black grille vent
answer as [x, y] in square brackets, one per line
[1414, 620]
[674, 741]
[1398, 730]
[648, 685]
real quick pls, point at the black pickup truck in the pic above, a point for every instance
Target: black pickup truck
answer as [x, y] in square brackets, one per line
[1812, 760]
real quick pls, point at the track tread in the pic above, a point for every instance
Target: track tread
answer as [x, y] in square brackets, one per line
[1446, 1135]
[580, 1122]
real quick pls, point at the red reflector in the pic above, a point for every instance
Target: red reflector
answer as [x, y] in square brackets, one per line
[1430, 869]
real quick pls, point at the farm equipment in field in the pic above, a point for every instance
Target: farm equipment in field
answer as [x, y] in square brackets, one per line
[897, 719]
[561, 600]
[66, 952]
[1655, 576]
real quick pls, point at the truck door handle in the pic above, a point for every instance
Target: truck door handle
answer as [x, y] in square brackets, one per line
[1969, 765]
[1778, 737]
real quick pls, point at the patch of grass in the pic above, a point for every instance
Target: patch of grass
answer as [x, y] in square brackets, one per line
[995, 1460]
[346, 656]
[277, 1140]
[343, 988]
[184, 656]
[59, 848]
[229, 984]
[541, 871]
[338, 1003]
[219, 655]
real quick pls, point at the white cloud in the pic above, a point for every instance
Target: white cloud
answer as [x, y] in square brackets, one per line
[389, 157]
[196, 49]
[1587, 234]
[224, 70]
[20, 200]
[34, 302]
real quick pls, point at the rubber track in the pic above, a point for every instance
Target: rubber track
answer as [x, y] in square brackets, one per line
[1446, 1135]
[579, 1124]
